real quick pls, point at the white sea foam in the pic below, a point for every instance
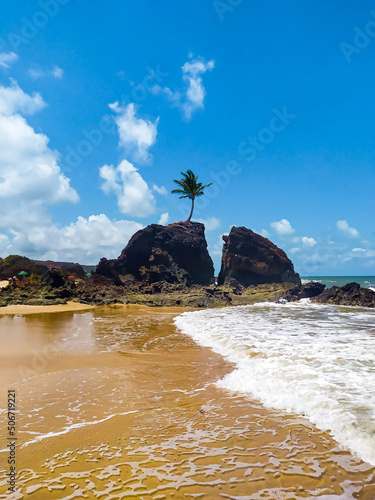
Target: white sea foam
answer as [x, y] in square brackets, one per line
[69, 428]
[310, 359]
[304, 281]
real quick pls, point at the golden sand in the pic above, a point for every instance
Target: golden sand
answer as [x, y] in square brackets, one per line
[22, 309]
[115, 403]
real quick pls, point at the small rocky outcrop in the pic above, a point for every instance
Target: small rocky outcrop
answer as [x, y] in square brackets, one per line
[13, 264]
[174, 254]
[250, 259]
[67, 268]
[349, 295]
[307, 291]
[51, 288]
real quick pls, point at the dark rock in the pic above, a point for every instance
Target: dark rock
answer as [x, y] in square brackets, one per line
[108, 269]
[311, 289]
[65, 293]
[14, 264]
[54, 279]
[308, 291]
[174, 254]
[349, 295]
[250, 259]
[67, 268]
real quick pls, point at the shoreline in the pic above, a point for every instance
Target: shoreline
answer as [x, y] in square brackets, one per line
[24, 309]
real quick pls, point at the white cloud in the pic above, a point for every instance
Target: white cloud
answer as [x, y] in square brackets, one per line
[28, 168]
[156, 90]
[343, 226]
[136, 134]
[57, 72]
[18, 214]
[283, 227]
[363, 252]
[160, 189]
[192, 98]
[196, 91]
[265, 233]
[4, 245]
[134, 197]
[7, 58]
[311, 257]
[211, 223]
[36, 73]
[85, 241]
[164, 219]
[14, 100]
[30, 177]
[309, 242]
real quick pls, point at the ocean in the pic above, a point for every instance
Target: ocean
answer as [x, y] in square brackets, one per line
[313, 360]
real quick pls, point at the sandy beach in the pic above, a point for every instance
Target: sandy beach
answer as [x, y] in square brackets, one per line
[114, 402]
[23, 309]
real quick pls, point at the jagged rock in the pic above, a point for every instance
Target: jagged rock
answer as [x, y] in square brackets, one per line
[348, 295]
[308, 291]
[250, 259]
[175, 254]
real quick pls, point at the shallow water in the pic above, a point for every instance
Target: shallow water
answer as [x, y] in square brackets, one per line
[314, 360]
[117, 403]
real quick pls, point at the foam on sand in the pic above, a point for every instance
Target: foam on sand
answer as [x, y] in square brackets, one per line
[314, 360]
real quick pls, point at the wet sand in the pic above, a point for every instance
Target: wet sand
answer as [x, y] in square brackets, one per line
[115, 403]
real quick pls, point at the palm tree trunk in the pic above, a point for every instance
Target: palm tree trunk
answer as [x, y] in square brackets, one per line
[191, 211]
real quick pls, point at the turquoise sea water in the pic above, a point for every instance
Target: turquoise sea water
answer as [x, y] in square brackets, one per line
[329, 281]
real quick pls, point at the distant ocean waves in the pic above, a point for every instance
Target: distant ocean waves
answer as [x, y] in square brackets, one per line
[329, 281]
[312, 360]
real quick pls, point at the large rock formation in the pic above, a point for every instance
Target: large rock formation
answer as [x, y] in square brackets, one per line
[249, 259]
[348, 295]
[176, 254]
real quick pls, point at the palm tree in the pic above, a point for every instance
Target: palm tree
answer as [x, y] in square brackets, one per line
[191, 188]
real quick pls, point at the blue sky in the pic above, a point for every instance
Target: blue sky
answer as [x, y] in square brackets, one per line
[103, 105]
